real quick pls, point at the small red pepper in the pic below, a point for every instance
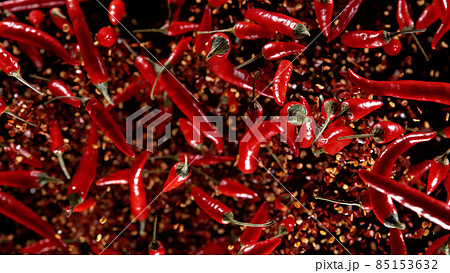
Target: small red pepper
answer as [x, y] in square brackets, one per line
[292, 114]
[120, 177]
[232, 188]
[345, 17]
[281, 81]
[278, 22]
[418, 170]
[324, 12]
[156, 247]
[251, 234]
[128, 93]
[174, 9]
[307, 132]
[286, 226]
[201, 160]
[245, 31]
[57, 146]
[61, 21]
[116, 11]
[39, 247]
[358, 108]
[218, 246]
[438, 243]
[438, 170]
[24, 5]
[397, 242]
[25, 179]
[429, 15]
[262, 248]
[445, 132]
[178, 174]
[216, 3]
[443, 28]
[175, 29]
[205, 25]
[138, 196]
[147, 71]
[106, 36]
[331, 142]
[36, 17]
[284, 202]
[191, 134]
[371, 39]
[87, 204]
[393, 48]
[18, 154]
[58, 88]
[382, 132]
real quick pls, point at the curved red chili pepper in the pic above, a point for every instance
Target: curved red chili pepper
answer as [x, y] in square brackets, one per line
[120, 177]
[345, 17]
[284, 202]
[246, 31]
[307, 132]
[17, 211]
[438, 170]
[445, 25]
[292, 115]
[432, 249]
[404, 19]
[324, 12]
[156, 247]
[382, 132]
[218, 49]
[93, 62]
[116, 11]
[174, 9]
[205, 25]
[365, 200]
[57, 146]
[128, 93]
[414, 90]
[255, 110]
[251, 234]
[216, 3]
[331, 141]
[358, 108]
[18, 154]
[397, 242]
[58, 88]
[330, 110]
[87, 204]
[250, 143]
[148, 72]
[176, 28]
[106, 36]
[61, 21]
[429, 15]
[218, 246]
[369, 38]
[262, 248]
[278, 22]
[178, 174]
[39, 247]
[281, 81]
[393, 48]
[418, 170]
[430, 208]
[24, 5]
[138, 196]
[85, 173]
[201, 160]
[166, 107]
[232, 188]
[25, 179]
[191, 134]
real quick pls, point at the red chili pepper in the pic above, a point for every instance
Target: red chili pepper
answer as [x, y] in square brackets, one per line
[216, 3]
[148, 72]
[18, 154]
[35, 37]
[447, 187]
[442, 6]
[278, 22]
[57, 146]
[217, 210]
[250, 143]
[17, 211]
[371, 39]
[116, 11]
[430, 208]
[138, 196]
[39, 247]
[345, 17]
[262, 248]
[85, 174]
[417, 171]
[366, 201]
[429, 15]
[414, 90]
[205, 25]
[281, 81]
[87, 204]
[382, 204]
[443, 28]
[36, 17]
[330, 110]
[284, 202]
[358, 108]
[445, 132]
[93, 62]
[175, 29]
[331, 142]
[218, 49]
[156, 247]
[58, 88]
[324, 12]
[286, 226]
[25, 179]
[61, 21]
[201, 160]
[397, 242]
[24, 5]
[174, 9]
[218, 246]
[438, 170]
[393, 48]
[307, 132]
[128, 93]
[232, 188]
[178, 174]
[251, 234]
[106, 36]
[245, 31]
[191, 134]
[120, 177]
[292, 115]
[433, 248]
[382, 132]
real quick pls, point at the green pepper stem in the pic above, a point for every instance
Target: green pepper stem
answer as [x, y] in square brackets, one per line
[82, 100]
[63, 164]
[16, 74]
[231, 29]
[356, 136]
[228, 218]
[19, 118]
[39, 78]
[355, 203]
[103, 87]
[420, 46]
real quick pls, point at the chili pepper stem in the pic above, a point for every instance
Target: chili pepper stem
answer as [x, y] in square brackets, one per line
[231, 29]
[355, 203]
[420, 46]
[74, 200]
[16, 74]
[242, 246]
[276, 159]
[162, 30]
[281, 232]
[322, 129]
[142, 225]
[185, 166]
[228, 218]
[392, 221]
[62, 164]
[19, 118]
[82, 100]
[249, 61]
[173, 157]
[356, 136]
[44, 178]
[156, 82]
[103, 87]
[122, 41]
[389, 35]
[39, 77]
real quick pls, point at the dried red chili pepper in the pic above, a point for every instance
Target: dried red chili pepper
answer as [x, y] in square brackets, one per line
[382, 132]
[129, 92]
[24, 5]
[429, 15]
[307, 131]
[232, 188]
[18, 154]
[106, 36]
[250, 143]
[324, 12]
[443, 28]
[262, 248]
[278, 22]
[284, 202]
[430, 208]
[438, 170]
[216, 3]
[25, 179]
[418, 170]
[176, 28]
[218, 246]
[116, 11]
[414, 90]
[292, 114]
[17, 211]
[433, 248]
[281, 81]
[218, 49]
[156, 247]
[61, 21]
[345, 17]
[57, 146]
[85, 173]
[357, 108]
[330, 142]
[120, 177]
[251, 234]
[4, 110]
[217, 210]
[285, 226]
[393, 48]
[191, 133]
[87, 204]
[166, 108]
[441, 8]
[397, 243]
[205, 25]
[147, 71]
[178, 174]
[93, 62]
[36, 17]
[58, 88]
[245, 31]
[39, 247]
[138, 196]
[201, 160]
[371, 39]
[174, 9]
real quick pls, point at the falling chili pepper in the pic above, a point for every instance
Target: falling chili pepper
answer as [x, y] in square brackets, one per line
[174, 9]
[443, 28]
[57, 146]
[292, 114]
[166, 108]
[61, 21]
[345, 17]
[156, 247]
[147, 71]
[217, 210]
[324, 12]
[232, 188]
[357, 108]
[397, 242]
[433, 248]
[201, 160]
[87, 204]
[251, 234]
[414, 90]
[24, 5]
[438, 170]
[441, 7]
[191, 133]
[278, 22]
[447, 186]
[116, 11]
[284, 202]
[371, 39]
[25, 179]
[18, 154]
[39, 247]
[205, 25]
[93, 62]
[393, 48]
[218, 246]
[128, 93]
[307, 132]
[138, 196]
[330, 110]
[59, 88]
[106, 36]
[281, 81]
[250, 143]
[330, 142]
[429, 15]
[218, 49]
[17, 211]
[245, 31]
[382, 132]
[120, 177]
[175, 29]
[36, 17]
[4, 110]
[262, 248]
[178, 174]
[418, 170]
[430, 208]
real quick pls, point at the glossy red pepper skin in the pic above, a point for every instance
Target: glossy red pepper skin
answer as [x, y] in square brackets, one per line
[191, 134]
[138, 196]
[178, 174]
[438, 170]
[116, 11]
[120, 177]
[251, 234]
[429, 15]
[202, 160]
[358, 108]
[93, 62]
[128, 93]
[24, 5]
[8, 63]
[205, 25]
[404, 19]
[35, 37]
[277, 50]
[59, 88]
[281, 81]
[278, 22]
[364, 38]
[397, 242]
[57, 141]
[216, 3]
[447, 187]
[18, 154]
[218, 246]
[87, 204]
[365, 200]
[24, 179]
[17, 211]
[255, 112]
[308, 129]
[101, 117]
[212, 207]
[178, 28]
[393, 48]
[61, 21]
[445, 132]
[330, 142]
[418, 170]
[40, 247]
[386, 131]
[222, 67]
[106, 36]
[178, 53]
[232, 188]
[249, 31]
[324, 12]
[430, 208]
[175, 7]
[443, 28]
[290, 130]
[287, 225]
[284, 202]
[250, 144]
[36, 17]
[413, 90]
[148, 72]
[159, 251]
[345, 18]
[262, 248]
[436, 244]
